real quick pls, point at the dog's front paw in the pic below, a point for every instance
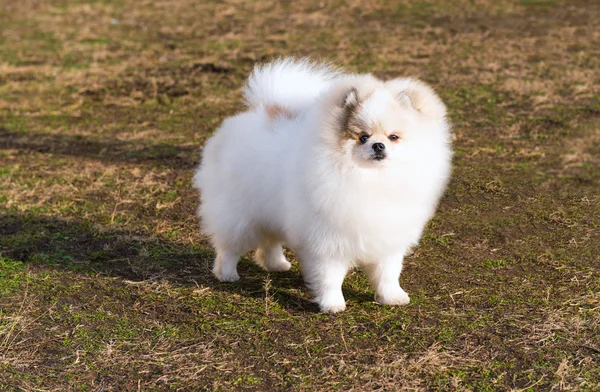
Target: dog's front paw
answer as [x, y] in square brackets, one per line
[331, 303]
[392, 295]
[230, 276]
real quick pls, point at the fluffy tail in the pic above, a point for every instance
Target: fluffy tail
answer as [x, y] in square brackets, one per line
[287, 85]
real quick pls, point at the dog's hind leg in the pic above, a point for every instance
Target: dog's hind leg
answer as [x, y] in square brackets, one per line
[270, 257]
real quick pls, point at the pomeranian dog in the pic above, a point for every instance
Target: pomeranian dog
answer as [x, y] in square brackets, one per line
[345, 169]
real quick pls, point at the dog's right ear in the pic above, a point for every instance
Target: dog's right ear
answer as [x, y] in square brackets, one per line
[350, 99]
[348, 107]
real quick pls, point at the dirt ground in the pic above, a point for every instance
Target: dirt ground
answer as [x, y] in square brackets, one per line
[105, 280]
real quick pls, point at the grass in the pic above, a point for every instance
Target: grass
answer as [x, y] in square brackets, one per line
[105, 279]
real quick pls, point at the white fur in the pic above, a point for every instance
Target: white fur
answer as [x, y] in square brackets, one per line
[268, 181]
[288, 83]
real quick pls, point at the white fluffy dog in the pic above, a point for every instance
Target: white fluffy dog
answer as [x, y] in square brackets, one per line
[345, 169]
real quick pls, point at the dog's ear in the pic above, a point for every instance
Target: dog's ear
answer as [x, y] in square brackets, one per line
[419, 95]
[348, 106]
[350, 99]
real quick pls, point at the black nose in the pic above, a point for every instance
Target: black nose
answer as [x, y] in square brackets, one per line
[378, 147]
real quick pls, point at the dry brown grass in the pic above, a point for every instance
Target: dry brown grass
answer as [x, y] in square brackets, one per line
[105, 279]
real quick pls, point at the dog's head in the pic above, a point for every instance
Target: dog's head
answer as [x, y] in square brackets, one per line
[376, 123]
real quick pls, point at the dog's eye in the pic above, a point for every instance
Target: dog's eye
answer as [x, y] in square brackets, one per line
[363, 139]
[393, 138]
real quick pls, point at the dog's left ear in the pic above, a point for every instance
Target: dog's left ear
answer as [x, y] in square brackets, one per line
[419, 95]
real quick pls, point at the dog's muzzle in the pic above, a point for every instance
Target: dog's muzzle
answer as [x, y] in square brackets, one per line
[378, 151]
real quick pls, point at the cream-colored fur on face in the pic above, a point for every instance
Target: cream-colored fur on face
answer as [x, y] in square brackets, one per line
[293, 170]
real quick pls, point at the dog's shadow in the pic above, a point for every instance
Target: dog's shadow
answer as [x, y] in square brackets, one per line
[136, 256]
